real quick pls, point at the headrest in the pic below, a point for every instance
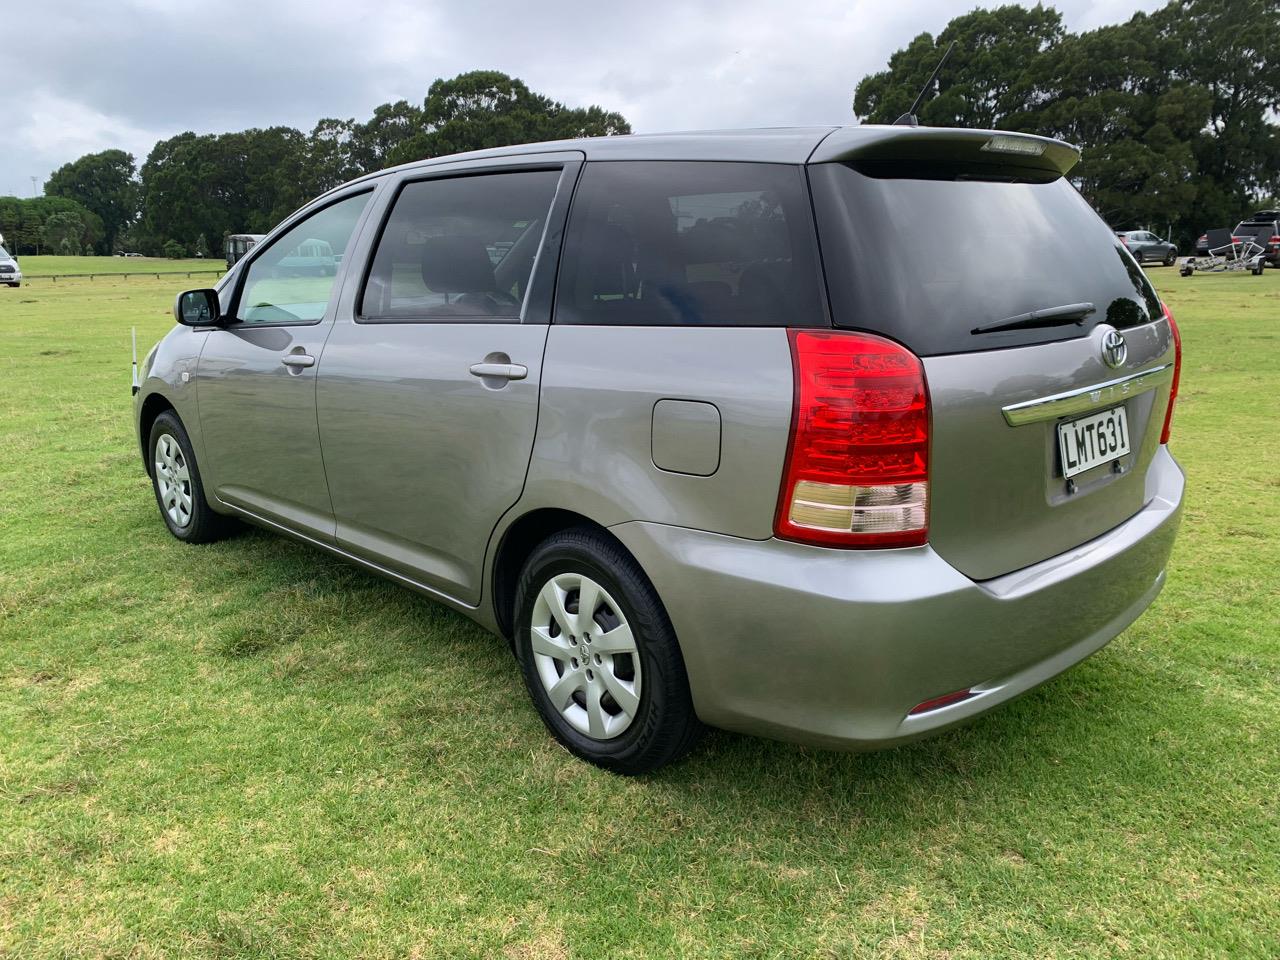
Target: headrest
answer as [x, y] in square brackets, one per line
[457, 265]
[608, 260]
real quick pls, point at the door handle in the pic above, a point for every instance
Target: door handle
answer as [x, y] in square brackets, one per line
[501, 371]
[298, 360]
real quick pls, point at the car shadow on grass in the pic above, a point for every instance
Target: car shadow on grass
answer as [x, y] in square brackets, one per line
[1080, 727]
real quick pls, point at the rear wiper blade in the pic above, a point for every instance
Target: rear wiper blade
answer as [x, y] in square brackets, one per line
[1048, 317]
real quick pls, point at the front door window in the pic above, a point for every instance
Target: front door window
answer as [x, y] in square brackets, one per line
[291, 280]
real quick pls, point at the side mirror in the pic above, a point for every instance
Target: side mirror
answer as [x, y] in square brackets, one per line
[197, 308]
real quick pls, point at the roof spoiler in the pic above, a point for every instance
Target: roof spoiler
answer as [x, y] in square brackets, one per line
[890, 147]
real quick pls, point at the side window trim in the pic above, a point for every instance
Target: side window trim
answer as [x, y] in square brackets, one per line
[536, 307]
[243, 266]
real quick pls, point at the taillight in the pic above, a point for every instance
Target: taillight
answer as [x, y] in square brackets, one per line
[1203, 239]
[1177, 373]
[857, 472]
[1274, 240]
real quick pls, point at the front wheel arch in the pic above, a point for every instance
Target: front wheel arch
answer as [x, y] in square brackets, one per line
[152, 407]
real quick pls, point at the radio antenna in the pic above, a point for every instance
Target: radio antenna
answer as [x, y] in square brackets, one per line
[908, 119]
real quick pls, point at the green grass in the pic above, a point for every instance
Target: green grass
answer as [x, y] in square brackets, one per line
[253, 750]
[42, 266]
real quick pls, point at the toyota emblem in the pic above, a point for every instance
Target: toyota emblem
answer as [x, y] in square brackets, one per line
[1114, 350]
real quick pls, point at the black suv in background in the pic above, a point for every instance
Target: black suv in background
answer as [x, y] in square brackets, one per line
[1263, 226]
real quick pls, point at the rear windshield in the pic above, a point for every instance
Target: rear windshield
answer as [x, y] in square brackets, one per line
[926, 261]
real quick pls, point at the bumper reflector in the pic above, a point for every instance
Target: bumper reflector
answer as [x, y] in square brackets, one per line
[937, 703]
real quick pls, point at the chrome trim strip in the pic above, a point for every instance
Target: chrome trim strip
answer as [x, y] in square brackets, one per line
[1086, 398]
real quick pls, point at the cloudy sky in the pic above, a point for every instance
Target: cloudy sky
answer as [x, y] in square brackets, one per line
[84, 76]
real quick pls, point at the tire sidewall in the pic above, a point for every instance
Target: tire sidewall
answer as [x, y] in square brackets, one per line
[558, 558]
[196, 530]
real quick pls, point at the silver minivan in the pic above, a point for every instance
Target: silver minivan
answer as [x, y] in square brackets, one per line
[839, 435]
[10, 272]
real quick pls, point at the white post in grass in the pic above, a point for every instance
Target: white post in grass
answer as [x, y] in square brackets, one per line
[134, 333]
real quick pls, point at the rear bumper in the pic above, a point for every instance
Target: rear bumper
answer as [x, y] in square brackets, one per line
[834, 648]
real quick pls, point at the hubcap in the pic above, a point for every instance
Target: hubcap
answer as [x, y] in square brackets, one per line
[586, 656]
[173, 480]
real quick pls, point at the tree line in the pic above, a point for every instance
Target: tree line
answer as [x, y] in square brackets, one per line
[195, 189]
[1175, 111]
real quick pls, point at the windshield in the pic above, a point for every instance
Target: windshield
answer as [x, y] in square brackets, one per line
[927, 261]
[4, 254]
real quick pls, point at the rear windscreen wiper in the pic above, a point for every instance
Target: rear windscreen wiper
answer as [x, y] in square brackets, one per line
[1048, 317]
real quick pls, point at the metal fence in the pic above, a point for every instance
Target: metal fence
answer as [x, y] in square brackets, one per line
[55, 277]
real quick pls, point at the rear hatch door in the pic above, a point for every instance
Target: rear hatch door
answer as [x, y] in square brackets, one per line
[995, 271]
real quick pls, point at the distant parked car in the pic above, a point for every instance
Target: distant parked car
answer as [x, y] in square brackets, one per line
[310, 258]
[9, 271]
[1264, 226]
[1146, 247]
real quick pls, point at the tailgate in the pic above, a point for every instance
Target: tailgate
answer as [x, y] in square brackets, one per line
[1010, 288]
[999, 497]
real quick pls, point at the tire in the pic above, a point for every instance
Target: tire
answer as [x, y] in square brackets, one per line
[175, 478]
[1171, 258]
[1140, 256]
[648, 730]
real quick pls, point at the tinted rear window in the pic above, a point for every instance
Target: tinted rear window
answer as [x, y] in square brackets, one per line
[705, 244]
[459, 248]
[926, 261]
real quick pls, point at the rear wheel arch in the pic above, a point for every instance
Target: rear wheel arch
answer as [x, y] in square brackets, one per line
[518, 542]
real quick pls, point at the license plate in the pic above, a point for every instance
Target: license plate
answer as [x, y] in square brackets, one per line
[1093, 440]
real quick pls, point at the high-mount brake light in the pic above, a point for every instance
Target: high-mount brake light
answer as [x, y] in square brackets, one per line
[1023, 146]
[857, 471]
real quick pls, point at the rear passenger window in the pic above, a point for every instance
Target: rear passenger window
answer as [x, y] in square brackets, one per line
[711, 244]
[459, 248]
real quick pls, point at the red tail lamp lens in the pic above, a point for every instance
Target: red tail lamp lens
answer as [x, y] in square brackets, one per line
[857, 472]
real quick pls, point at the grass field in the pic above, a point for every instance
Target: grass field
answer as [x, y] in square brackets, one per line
[252, 750]
[33, 268]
